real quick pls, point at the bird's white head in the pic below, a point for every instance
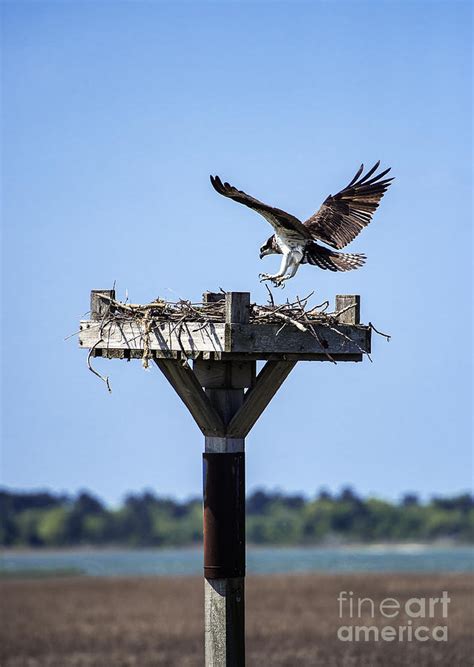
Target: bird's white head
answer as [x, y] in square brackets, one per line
[269, 247]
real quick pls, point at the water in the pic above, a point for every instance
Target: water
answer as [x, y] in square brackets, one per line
[113, 562]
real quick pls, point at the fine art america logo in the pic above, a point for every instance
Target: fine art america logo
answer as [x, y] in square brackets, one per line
[406, 625]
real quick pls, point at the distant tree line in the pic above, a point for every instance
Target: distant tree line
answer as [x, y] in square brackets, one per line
[50, 520]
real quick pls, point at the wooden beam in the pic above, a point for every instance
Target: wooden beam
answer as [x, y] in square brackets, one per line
[268, 381]
[256, 339]
[268, 338]
[278, 356]
[191, 337]
[184, 382]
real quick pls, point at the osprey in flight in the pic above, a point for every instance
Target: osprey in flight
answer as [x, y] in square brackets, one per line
[339, 220]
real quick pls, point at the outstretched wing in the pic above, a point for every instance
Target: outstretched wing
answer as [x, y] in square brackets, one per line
[279, 220]
[343, 216]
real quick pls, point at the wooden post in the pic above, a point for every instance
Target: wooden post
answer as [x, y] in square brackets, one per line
[350, 305]
[99, 304]
[224, 503]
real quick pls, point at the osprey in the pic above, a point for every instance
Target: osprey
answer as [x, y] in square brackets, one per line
[339, 220]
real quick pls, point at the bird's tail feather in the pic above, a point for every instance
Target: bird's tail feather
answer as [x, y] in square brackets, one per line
[333, 261]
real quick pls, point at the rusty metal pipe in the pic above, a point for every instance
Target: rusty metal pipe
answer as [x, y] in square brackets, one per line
[224, 515]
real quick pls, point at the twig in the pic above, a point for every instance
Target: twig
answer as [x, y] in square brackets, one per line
[339, 312]
[316, 335]
[270, 296]
[76, 333]
[289, 319]
[379, 332]
[343, 335]
[318, 307]
[104, 378]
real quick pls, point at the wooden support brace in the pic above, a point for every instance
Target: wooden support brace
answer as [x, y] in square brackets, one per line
[184, 382]
[268, 381]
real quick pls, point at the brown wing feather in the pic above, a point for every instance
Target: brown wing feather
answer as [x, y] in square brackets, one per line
[332, 261]
[344, 215]
[276, 217]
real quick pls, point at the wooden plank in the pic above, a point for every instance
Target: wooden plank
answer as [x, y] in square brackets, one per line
[350, 305]
[256, 339]
[132, 354]
[268, 381]
[232, 356]
[267, 338]
[283, 356]
[165, 336]
[184, 382]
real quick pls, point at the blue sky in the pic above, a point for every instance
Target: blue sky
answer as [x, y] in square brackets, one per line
[114, 116]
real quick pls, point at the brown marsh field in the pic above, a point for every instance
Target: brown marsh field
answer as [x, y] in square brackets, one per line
[291, 620]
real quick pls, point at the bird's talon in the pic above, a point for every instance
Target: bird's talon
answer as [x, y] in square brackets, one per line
[264, 276]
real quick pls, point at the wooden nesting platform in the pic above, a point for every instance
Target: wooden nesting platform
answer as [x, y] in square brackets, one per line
[225, 396]
[235, 338]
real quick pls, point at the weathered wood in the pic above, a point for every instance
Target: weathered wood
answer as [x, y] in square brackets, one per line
[256, 339]
[350, 304]
[224, 356]
[267, 338]
[220, 374]
[226, 401]
[268, 381]
[165, 337]
[125, 353]
[99, 305]
[184, 382]
[224, 613]
[283, 356]
[237, 307]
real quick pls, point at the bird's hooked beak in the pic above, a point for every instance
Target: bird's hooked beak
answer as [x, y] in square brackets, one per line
[263, 252]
